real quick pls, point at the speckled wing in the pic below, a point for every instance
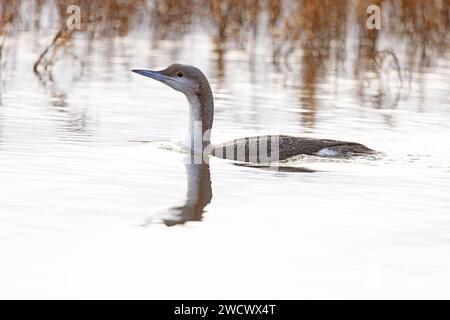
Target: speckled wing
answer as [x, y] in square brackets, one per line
[270, 148]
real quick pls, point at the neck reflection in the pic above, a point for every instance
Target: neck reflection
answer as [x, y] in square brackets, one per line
[199, 191]
[198, 196]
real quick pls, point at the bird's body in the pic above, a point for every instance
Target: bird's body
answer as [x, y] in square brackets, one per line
[268, 148]
[282, 147]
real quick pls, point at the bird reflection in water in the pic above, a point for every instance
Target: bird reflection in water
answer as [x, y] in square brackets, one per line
[276, 168]
[198, 196]
[199, 191]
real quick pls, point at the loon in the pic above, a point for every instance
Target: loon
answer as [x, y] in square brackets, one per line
[195, 86]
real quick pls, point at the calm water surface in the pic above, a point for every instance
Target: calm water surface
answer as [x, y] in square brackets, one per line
[85, 207]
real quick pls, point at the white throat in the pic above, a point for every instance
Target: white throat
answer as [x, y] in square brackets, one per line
[194, 136]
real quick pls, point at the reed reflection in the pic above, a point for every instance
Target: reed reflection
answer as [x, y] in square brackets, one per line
[308, 39]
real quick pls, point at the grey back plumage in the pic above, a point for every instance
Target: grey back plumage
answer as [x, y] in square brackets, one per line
[282, 147]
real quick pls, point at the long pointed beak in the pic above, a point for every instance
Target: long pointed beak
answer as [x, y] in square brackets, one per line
[152, 74]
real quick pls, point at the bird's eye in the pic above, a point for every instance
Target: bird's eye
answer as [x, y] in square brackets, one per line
[180, 74]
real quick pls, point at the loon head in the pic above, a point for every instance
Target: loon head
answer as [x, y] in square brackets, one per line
[184, 78]
[193, 83]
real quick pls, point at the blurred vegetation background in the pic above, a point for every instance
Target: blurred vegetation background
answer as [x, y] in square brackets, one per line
[316, 34]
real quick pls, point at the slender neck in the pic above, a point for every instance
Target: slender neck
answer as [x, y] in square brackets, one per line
[201, 113]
